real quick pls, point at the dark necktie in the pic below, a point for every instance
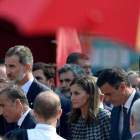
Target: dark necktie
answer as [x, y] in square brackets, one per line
[124, 114]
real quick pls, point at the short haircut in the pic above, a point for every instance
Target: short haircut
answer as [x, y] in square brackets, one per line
[14, 92]
[132, 73]
[113, 76]
[74, 57]
[47, 105]
[24, 54]
[47, 69]
[135, 112]
[77, 70]
[88, 84]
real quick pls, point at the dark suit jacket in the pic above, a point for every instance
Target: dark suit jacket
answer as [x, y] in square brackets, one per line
[115, 121]
[28, 123]
[34, 89]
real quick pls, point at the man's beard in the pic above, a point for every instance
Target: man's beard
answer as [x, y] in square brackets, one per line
[66, 92]
[18, 78]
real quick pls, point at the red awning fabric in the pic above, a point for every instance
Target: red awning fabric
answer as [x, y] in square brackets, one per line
[117, 19]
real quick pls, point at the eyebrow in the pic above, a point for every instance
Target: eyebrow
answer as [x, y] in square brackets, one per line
[107, 93]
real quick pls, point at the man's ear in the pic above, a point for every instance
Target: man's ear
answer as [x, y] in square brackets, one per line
[27, 67]
[59, 114]
[17, 103]
[51, 81]
[131, 120]
[35, 114]
[122, 86]
[101, 97]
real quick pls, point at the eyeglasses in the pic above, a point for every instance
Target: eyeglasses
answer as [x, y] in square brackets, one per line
[3, 82]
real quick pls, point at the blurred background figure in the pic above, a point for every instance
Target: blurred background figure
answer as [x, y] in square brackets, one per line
[3, 77]
[80, 59]
[134, 78]
[45, 74]
[135, 120]
[66, 74]
[86, 119]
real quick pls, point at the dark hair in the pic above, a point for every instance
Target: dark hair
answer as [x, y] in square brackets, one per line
[74, 57]
[47, 69]
[113, 76]
[47, 106]
[24, 54]
[88, 84]
[14, 92]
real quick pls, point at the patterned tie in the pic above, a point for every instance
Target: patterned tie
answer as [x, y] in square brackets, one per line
[124, 114]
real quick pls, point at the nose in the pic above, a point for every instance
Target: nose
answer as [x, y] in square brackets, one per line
[63, 84]
[8, 70]
[72, 97]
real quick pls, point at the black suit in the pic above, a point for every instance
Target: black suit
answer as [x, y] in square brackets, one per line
[28, 123]
[115, 115]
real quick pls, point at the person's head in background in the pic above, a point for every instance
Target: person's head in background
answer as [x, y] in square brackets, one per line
[47, 108]
[80, 59]
[3, 77]
[45, 74]
[19, 62]
[134, 78]
[135, 117]
[66, 74]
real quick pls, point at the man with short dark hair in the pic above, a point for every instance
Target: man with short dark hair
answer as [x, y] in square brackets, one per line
[45, 74]
[47, 109]
[115, 85]
[80, 59]
[15, 108]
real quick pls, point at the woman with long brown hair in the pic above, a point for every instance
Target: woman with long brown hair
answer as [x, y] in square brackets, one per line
[86, 120]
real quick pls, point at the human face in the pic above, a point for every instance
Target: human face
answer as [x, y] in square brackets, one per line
[39, 75]
[65, 79]
[15, 70]
[8, 109]
[79, 97]
[85, 64]
[134, 82]
[116, 97]
[3, 78]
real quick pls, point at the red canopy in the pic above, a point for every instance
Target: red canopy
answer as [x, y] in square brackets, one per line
[107, 17]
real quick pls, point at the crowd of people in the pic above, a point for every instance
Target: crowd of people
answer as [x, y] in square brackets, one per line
[86, 106]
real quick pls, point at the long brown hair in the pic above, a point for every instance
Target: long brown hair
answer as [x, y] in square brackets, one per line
[88, 84]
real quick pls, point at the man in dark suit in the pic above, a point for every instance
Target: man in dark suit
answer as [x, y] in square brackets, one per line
[135, 120]
[45, 74]
[15, 108]
[115, 85]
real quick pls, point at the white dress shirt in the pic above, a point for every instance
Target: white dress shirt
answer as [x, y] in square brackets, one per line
[135, 134]
[127, 105]
[27, 85]
[20, 121]
[43, 132]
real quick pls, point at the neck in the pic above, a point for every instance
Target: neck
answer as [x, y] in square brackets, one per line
[51, 121]
[84, 112]
[25, 79]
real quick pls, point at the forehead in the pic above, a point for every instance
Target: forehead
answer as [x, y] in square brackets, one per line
[3, 98]
[67, 75]
[106, 88]
[83, 62]
[12, 59]
[38, 73]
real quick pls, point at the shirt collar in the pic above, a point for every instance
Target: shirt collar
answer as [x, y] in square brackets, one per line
[135, 134]
[129, 101]
[46, 127]
[27, 85]
[20, 121]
